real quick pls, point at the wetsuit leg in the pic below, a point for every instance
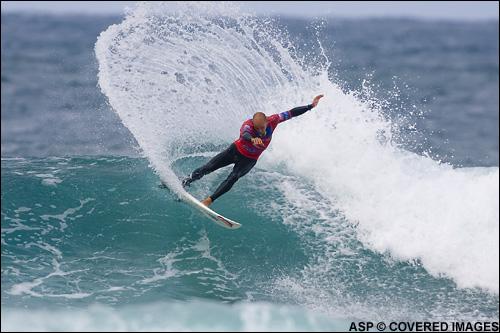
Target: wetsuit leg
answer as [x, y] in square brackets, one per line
[220, 160]
[242, 166]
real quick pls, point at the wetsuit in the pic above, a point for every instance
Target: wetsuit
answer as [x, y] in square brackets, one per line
[242, 152]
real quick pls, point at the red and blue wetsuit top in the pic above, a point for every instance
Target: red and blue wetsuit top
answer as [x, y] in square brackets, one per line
[247, 132]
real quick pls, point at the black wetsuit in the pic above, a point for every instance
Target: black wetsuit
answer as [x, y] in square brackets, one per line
[242, 164]
[231, 155]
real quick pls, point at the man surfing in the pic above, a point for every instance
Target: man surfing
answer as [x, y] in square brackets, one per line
[255, 137]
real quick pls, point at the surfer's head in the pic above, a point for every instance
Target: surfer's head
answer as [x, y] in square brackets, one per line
[260, 121]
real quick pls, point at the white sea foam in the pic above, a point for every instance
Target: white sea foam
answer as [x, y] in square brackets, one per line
[49, 179]
[66, 214]
[27, 287]
[408, 205]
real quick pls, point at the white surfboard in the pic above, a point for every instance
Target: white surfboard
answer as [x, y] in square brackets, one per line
[214, 216]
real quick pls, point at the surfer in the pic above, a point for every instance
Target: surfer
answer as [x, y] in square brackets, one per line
[255, 136]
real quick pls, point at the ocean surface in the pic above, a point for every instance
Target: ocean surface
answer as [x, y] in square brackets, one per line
[381, 204]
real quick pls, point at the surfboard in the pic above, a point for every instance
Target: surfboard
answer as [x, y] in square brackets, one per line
[212, 215]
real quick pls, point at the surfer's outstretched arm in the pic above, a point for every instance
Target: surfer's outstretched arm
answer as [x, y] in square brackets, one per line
[302, 109]
[297, 111]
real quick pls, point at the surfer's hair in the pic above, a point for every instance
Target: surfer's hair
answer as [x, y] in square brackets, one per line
[259, 115]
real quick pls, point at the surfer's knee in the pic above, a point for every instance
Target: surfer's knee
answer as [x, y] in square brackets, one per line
[234, 176]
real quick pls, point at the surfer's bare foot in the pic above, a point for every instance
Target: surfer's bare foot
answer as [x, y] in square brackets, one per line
[207, 202]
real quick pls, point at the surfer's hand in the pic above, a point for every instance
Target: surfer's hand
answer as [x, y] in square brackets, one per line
[257, 142]
[316, 100]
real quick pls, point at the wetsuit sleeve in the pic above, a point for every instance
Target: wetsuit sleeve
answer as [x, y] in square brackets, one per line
[284, 116]
[300, 110]
[245, 132]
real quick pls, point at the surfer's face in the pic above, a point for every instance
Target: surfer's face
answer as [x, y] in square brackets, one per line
[260, 124]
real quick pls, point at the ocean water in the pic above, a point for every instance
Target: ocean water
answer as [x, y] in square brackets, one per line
[381, 204]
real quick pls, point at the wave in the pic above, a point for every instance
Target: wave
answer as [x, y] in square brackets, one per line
[106, 233]
[179, 80]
